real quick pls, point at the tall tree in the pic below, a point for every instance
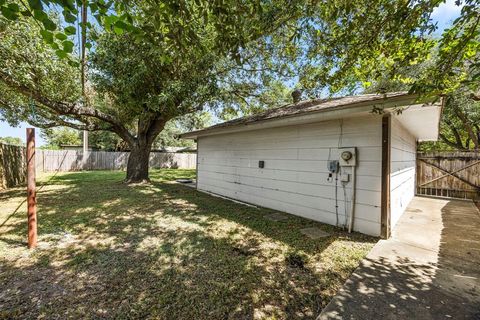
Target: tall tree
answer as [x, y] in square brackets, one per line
[11, 140]
[350, 43]
[460, 119]
[155, 61]
[460, 123]
[182, 61]
[56, 137]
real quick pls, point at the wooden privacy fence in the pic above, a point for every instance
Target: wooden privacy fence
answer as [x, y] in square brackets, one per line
[74, 160]
[449, 174]
[12, 165]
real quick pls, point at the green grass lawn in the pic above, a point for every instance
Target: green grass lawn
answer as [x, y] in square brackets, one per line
[164, 251]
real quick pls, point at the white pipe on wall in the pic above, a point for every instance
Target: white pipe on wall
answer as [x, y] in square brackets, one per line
[352, 207]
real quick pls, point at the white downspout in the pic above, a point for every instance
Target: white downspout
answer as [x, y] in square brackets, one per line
[352, 207]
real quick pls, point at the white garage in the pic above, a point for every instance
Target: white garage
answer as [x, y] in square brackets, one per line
[316, 158]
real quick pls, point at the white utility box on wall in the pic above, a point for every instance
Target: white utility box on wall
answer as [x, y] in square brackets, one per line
[347, 157]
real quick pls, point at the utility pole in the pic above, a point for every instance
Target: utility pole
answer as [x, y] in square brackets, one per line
[84, 12]
[85, 150]
[85, 142]
[31, 192]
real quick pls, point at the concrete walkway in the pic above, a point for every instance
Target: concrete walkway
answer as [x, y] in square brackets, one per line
[428, 269]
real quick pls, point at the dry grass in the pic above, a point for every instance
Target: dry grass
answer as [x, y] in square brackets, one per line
[166, 251]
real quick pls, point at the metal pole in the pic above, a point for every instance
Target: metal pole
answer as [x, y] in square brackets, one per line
[85, 141]
[85, 150]
[31, 197]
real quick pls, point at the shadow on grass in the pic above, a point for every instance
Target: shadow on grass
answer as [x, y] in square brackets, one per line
[165, 251]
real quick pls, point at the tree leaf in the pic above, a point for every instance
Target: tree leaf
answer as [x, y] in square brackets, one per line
[70, 30]
[68, 46]
[118, 30]
[60, 36]
[14, 7]
[61, 54]
[47, 36]
[35, 4]
[9, 14]
[73, 63]
[49, 24]
[69, 17]
[39, 15]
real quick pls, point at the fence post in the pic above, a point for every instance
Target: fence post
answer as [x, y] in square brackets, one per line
[31, 196]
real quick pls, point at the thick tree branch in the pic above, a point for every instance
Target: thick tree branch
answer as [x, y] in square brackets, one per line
[456, 134]
[468, 127]
[62, 108]
[450, 143]
[74, 110]
[57, 121]
[155, 128]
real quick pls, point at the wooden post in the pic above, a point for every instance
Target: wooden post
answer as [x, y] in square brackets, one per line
[31, 197]
[385, 197]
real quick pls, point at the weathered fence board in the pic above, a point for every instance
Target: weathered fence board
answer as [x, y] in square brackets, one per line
[13, 162]
[12, 165]
[73, 160]
[449, 174]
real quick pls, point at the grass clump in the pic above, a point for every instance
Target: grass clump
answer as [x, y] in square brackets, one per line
[296, 260]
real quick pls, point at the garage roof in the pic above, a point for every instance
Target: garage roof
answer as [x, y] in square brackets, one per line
[311, 107]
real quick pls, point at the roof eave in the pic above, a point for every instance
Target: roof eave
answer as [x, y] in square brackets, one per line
[312, 116]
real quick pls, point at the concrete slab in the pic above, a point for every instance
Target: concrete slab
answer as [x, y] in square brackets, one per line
[429, 268]
[314, 233]
[192, 183]
[276, 216]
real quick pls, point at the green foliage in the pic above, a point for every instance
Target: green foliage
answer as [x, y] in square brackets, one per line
[460, 120]
[270, 94]
[156, 61]
[106, 141]
[338, 45]
[343, 45]
[55, 31]
[109, 141]
[200, 67]
[460, 124]
[25, 58]
[169, 136]
[57, 137]
[12, 140]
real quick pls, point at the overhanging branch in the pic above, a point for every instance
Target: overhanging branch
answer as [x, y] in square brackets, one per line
[75, 110]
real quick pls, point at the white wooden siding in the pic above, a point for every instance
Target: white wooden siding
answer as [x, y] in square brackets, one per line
[402, 170]
[294, 179]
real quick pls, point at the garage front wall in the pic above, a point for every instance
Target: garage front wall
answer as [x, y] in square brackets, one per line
[294, 178]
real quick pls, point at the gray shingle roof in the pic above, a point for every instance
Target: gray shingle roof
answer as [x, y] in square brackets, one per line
[305, 107]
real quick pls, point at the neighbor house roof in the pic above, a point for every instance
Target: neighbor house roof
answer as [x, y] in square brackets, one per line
[307, 107]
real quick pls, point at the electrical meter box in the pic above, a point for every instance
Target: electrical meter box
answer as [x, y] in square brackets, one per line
[332, 166]
[347, 157]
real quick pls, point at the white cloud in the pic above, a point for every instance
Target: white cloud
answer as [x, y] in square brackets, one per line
[446, 11]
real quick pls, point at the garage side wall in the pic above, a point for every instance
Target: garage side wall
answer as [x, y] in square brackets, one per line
[294, 177]
[402, 170]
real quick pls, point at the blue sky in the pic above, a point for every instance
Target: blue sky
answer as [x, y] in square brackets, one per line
[443, 15]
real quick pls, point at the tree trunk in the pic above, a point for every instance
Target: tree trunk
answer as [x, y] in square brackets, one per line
[138, 161]
[137, 166]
